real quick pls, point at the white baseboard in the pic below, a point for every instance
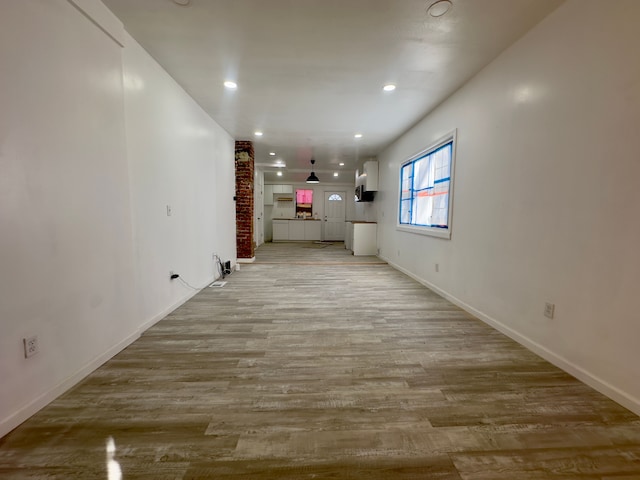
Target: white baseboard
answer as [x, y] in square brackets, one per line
[246, 260]
[15, 419]
[159, 316]
[614, 393]
[23, 414]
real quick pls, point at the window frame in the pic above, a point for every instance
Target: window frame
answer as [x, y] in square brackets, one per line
[300, 210]
[439, 232]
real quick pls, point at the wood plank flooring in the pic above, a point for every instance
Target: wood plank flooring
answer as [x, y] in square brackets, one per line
[311, 363]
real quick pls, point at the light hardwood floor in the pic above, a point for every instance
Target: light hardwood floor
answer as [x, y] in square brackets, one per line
[311, 363]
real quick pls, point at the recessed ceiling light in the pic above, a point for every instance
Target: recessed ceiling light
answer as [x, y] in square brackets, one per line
[258, 134]
[341, 164]
[273, 154]
[357, 135]
[229, 85]
[439, 8]
[389, 88]
[335, 174]
[279, 174]
[182, 3]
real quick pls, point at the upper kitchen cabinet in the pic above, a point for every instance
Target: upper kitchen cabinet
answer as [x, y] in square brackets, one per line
[369, 176]
[282, 188]
[268, 194]
[273, 192]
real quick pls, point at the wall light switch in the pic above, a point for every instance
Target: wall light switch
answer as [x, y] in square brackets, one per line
[549, 309]
[168, 210]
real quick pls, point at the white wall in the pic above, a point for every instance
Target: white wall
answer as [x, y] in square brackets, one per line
[67, 255]
[81, 243]
[178, 157]
[546, 194]
[363, 211]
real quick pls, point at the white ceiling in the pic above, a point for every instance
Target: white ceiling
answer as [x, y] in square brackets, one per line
[310, 72]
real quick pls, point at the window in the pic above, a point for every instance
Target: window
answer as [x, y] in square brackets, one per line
[304, 203]
[334, 197]
[426, 182]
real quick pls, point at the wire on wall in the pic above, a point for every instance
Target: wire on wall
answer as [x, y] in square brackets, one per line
[222, 270]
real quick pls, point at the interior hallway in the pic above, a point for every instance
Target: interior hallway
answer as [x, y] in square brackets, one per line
[311, 363]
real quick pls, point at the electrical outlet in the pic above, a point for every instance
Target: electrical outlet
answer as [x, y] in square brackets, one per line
[437, 267]
[169, 210]
[549, 309]
[30, 346]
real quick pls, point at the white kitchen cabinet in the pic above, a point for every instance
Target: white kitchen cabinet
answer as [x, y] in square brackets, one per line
[282, 188]
[371, 176]
[312, 230]
[368, 177]
[363, 238]
[296, 229]
[272, 192]
[348, 238]
[268, 194]
[280, 230]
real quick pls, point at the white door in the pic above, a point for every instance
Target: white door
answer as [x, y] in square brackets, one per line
[258, 208]
[334, 216]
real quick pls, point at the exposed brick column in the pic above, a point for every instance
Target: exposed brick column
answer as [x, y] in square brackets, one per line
[244, 200]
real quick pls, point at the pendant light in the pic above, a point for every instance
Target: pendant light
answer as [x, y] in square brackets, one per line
[312, 178]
